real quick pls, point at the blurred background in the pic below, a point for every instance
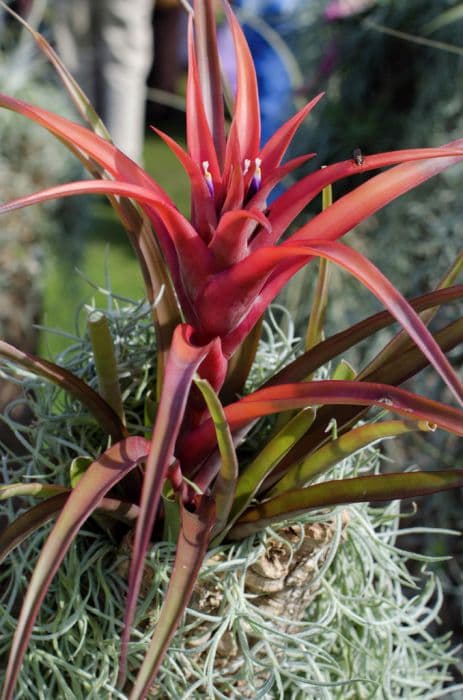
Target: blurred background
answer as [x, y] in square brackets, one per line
[392, 74]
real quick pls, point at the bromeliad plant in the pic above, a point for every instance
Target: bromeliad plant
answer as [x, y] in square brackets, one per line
[209, 280]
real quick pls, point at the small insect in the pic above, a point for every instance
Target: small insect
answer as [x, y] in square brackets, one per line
[358, 157]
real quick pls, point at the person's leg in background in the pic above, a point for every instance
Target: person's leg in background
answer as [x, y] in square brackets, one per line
[107, 46]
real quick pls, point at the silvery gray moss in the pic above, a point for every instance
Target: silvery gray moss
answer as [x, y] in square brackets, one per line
[369, 631]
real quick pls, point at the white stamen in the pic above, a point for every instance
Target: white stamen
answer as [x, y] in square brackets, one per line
[208, 177]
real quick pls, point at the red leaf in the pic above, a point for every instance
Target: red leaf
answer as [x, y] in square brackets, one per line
[246, 117]
[230, 240]
[232, 173]
[104, 153]
[366, 198]
[183, 361]
[209, 73]
[203, 214]
[275, 148]
[199, 138]
[99, 478]
[192, 544]
[199, 443]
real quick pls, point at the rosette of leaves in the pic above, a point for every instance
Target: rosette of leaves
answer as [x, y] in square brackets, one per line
[262, 606]
[209, 280]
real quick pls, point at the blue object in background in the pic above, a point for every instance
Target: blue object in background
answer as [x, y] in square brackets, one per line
[275, 89]
[274, 81]
[276, 93]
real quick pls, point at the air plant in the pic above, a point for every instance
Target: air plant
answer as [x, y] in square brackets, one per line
[209, 279]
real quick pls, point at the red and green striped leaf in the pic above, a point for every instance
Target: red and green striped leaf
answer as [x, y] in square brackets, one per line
[200, 442]
[376, 488]
[345, 446]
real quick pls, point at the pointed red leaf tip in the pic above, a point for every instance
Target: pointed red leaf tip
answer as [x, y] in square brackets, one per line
[104, 153]
[209, 74]
[199, 138]
[195, 446]
[275, 148]
[246, 117]
[203, 214]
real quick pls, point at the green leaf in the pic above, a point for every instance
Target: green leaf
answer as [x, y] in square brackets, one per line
[454, 14]
[345, 446]
[105, 361]
[225, 483]
[171, 508]
[78, 467]
[255, 473]
[31, 489]
[344, 372]
[314, 332]
[384, 487]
